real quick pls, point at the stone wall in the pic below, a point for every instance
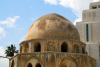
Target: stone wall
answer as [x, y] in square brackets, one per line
[52, 59]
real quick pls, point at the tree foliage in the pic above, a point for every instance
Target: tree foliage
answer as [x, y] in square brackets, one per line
[11, 50]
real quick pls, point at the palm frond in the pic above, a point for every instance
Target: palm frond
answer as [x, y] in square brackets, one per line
[11, 50]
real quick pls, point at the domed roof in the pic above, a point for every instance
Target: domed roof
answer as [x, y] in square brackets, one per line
[52, 26]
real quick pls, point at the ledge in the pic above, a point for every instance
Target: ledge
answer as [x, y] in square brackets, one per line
[51, 52]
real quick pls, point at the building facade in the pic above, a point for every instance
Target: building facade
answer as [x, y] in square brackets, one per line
[89, 30]
[52, 41]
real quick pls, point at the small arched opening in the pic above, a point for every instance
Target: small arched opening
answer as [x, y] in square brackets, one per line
[38, 65]
[83, 50]
[12, 65]
[64, 47]
[76, 48]
[21, 49]
[37, 47]
[29, 65]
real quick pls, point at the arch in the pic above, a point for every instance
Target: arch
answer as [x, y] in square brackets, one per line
[64, 47]
[34, 60]
[37, 47]
[38, 65]
[21, 49]
[69, 62]
[83, 50]
[29, 65]
[12, 65]
[76, 48]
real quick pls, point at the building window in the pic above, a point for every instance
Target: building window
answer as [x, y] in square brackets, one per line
[87, 33]
[64, 47]
[38, 65]
[94, 7]
[29, 65]
[37, 47]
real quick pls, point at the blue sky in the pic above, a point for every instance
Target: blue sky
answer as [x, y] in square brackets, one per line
[16, 17]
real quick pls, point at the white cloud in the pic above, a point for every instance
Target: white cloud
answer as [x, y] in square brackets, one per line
[2, 33]
[2, 51]
[76, 5]
[77, 20]
[4, 62]
[10, 22]
[22, 39]
[51, 1]
[32, 19]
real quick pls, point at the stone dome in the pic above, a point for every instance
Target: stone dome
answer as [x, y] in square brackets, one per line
[52, 26]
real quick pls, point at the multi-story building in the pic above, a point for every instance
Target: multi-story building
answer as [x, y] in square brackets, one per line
[89, 30]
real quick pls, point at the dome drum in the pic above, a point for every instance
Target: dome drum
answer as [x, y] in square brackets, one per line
[58, 45]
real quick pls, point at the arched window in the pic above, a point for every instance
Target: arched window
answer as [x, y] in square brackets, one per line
[64, 47]
[83, 51]
[21, 49]
[29, 65]
[38, 65]
[37, 47]
[76, 48]
[12, 65]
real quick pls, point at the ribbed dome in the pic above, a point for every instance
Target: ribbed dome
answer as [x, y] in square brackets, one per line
[52, 26]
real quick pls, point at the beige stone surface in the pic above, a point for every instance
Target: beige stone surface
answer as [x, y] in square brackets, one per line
[52, 26]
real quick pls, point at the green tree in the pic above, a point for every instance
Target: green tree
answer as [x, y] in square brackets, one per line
[11, 50]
